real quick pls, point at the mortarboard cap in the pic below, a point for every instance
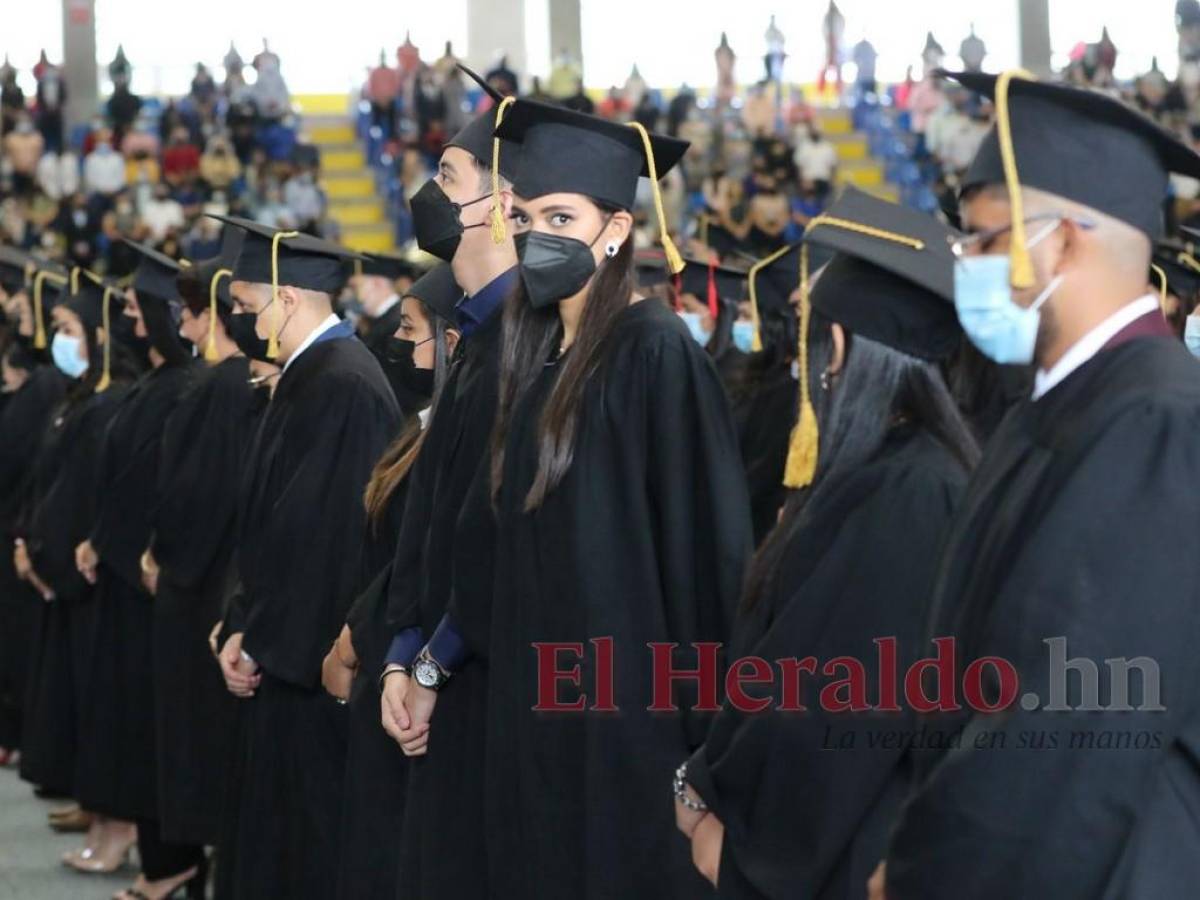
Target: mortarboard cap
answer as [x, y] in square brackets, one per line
[155, 273]
[438, 290]
[1176, 269]
[386, 266]
[48, 281]
[276, 257]
[650, 268]
[216, 275]
[572, 152]
[893, 278]
[1079, 144]
[96, 300]
[712, 282]
[15, 266]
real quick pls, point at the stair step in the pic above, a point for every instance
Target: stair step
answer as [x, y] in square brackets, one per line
[373, 239]
[348, 186]
[349, 161]
[314, 105]
[356, 214]
[861, 176]
[332, 134]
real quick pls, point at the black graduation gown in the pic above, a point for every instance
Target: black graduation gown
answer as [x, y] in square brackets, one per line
[376, 337]
[802, 820]
[1065, 532]
[446, 547]
[23, 419]
[644, 540]
[764, 433]
[116, 770]
[376, 770]
[302, 528]
[204, 447]
[58, 515]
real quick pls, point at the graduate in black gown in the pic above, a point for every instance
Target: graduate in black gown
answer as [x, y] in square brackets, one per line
[444, 805]
[709, 299]
[116, 770]
[300, 558]
[1175, 270]
[621, 514]
[1060, 557]
[379, 282]
[204, 446]
[781, 814]
[376, 771]
[57, 514]
[765, 395]
[31, 394]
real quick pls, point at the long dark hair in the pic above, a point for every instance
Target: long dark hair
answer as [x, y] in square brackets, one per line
[122, 365]
[397, 460]
[530, 337]
[877, 387]
[722, 333]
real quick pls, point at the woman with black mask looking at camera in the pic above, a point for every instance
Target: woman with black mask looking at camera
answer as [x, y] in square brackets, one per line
[621, 514]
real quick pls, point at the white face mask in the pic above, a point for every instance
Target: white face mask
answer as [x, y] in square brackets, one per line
[1191, 334]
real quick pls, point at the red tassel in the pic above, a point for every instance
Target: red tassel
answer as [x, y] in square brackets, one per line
[712, 287]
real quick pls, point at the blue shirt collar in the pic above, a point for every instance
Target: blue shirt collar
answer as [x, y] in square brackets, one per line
[473, 311]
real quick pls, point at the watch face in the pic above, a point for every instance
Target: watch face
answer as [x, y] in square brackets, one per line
[426, 673]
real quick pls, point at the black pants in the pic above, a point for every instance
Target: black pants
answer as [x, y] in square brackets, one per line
[161, 859]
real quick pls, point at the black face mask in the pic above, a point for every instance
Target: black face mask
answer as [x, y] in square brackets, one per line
[437, 220]
[398, 363]
[553, 267]
[241, 329]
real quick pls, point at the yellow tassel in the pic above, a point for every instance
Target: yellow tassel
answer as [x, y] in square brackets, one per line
[39, 321]
[1022, 269]
[74, 280]
[674, 260]
[860, 228]
[801, 464]
[498, 231]
[210, 351]
[751, 280]
[106, 377]
[1186, 259]
[273, 342]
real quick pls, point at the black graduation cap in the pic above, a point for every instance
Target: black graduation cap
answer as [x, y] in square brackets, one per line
[1178, 266]
[892, 279]
[155, 273]
[650, 268]
[712, 282]
[576, 153]
[573, 152]
[97, 301]
[1079, 144]
[49, 280]
[476, 136]
[773, 279]
[216, 275]
[300, 260]
[438, 290]
[385, 266]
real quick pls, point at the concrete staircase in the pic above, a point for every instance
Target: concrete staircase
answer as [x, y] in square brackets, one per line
[346, 178]
[855, 164]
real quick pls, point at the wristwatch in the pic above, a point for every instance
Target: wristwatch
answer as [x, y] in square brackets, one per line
[427, 672]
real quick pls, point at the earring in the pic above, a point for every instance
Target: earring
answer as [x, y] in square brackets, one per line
[826, 380]
[611, 248]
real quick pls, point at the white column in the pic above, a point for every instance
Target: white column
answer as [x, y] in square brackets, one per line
[495, 27]
[79, 60]
[1033, 21]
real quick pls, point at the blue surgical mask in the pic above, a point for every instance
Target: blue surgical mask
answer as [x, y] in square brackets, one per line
[694, 321]
[1191, 335]
[743, 336]
[1003, 330]
[64, 350]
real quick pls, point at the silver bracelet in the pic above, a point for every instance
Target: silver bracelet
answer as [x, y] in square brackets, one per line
[679, 786]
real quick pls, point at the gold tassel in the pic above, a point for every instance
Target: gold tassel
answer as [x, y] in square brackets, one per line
[1186, 259]
[498, 231]
[39, 321]
[674, 260]
[74, 280]
[106, 377]
[1022, 269]
[210, 351]
[751, 279]
[803, 444]
[273, 342]
[1162, 287]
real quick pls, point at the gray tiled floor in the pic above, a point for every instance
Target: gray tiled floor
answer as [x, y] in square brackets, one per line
[30, 851]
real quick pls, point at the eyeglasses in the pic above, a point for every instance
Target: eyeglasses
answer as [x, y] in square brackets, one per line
[982, 240]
